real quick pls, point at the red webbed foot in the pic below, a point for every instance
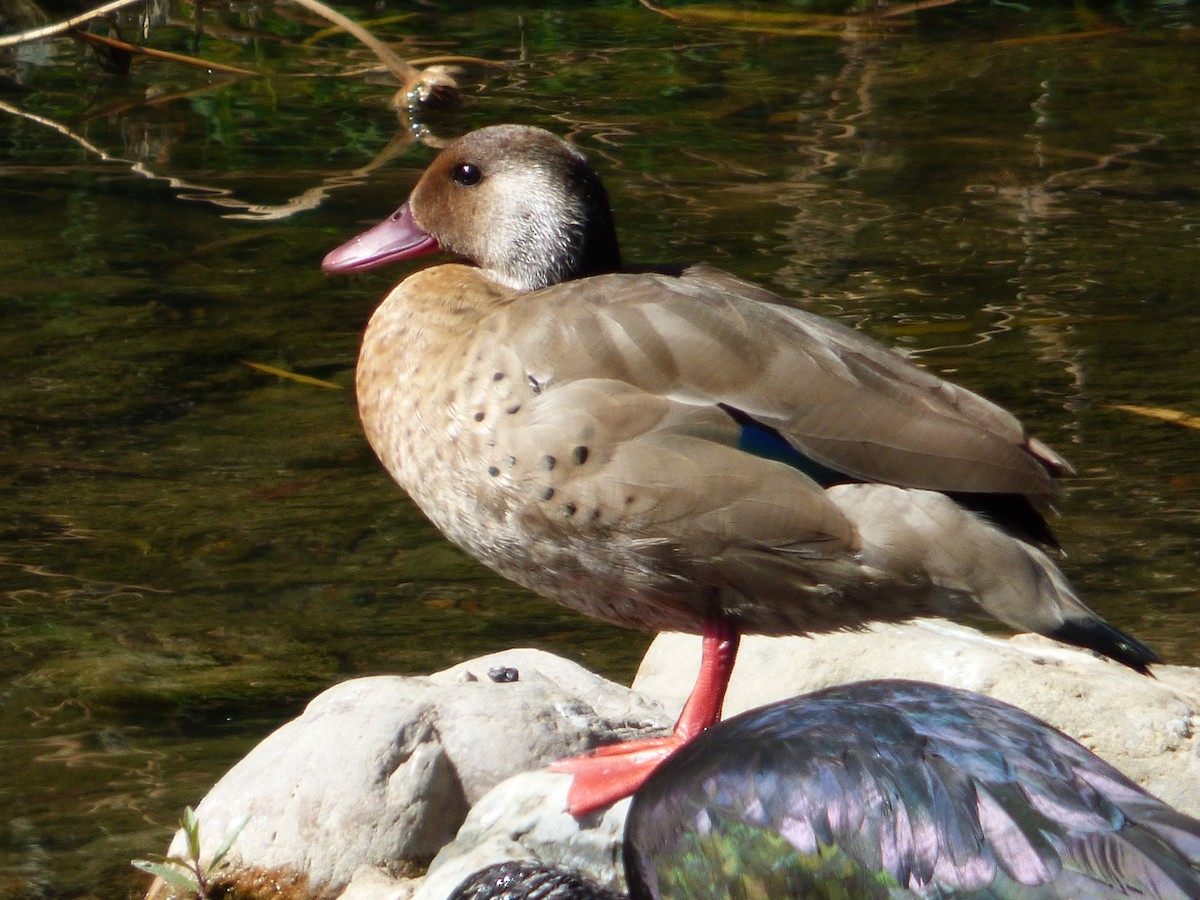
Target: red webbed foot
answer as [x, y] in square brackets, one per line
[611, 773]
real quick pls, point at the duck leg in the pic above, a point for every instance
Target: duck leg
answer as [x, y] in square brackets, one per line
[610, 773]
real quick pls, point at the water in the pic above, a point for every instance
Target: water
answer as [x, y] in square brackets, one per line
[191, 548]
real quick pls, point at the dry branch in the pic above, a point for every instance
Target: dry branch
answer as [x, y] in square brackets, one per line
[1174, 416]
[35, 34]
[433, 86]
[403, 72]
[88, 38]
[224, 198]
[873, 23]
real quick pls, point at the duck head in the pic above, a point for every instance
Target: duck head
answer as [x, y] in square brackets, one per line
[520, 203]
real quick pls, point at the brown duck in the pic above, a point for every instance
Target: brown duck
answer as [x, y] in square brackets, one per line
[681, 450]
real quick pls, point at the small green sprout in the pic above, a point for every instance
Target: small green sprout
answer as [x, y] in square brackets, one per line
[190, 873]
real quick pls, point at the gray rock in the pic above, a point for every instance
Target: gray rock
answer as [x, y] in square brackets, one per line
[374, 883]
[526, 818]
[381, 771]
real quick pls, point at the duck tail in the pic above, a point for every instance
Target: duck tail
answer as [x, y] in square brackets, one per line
[1063, 616]
[1096, 634]
[916, 536]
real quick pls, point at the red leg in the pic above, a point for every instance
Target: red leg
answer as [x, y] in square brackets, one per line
[610, 773]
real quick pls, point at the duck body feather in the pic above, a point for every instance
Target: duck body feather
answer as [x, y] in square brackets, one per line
[589, 441]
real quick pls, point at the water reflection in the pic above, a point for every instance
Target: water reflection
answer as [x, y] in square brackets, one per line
[192, 548]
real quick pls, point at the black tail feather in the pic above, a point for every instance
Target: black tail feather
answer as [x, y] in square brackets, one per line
[1094, 634]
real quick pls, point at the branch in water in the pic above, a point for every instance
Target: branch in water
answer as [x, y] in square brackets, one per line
[35, 34]
[403, 72]
[88, 38]
[433, 86]
[430, 87]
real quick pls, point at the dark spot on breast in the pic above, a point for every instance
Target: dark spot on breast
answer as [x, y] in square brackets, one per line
[479, 416]
[548, 493]
[515, 408]
[581, 454]
[499, 376]
[569, 509]
[493, 471]
[549, 462]
[629, 499]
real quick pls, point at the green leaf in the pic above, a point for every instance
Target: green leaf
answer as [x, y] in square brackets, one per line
[191, 830]
[227, 843]
[167, 873]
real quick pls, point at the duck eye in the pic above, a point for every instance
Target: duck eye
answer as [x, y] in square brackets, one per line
[466, 174]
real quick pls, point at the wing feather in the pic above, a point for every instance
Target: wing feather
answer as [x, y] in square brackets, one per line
[838, 397]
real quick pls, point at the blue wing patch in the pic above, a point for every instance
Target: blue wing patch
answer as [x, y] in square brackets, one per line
[765, 442]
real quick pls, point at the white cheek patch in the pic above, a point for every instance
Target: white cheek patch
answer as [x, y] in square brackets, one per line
[533, 243]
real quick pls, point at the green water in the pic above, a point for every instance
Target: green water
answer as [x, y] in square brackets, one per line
[190, 548]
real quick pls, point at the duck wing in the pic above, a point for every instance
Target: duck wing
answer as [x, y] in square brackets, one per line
[808, 391]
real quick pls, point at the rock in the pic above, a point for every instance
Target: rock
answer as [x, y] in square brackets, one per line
[374, 883]
[377, 775]
[526, 818]
[384, 770]
[522, 818]
[557, 708]
[1146, 727]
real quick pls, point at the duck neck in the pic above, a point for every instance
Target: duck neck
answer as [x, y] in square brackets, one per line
[567, 236]
[599, 253]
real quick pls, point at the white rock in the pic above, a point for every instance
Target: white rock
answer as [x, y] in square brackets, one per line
[1146, 727]
[526, 818]
[380, 770]
[556, 709]
[374, 883]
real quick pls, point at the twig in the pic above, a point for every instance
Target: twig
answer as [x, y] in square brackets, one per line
[88, 37]
[426, 88]
[403, 71]
[318, 36]
[450, 59]
[103, 112]
[67, 25]
[433, 86]
[791, 24]
[912, 7]
[291, 376]
[223, 198]
[1102, 32]
[700, 15]
[1174, 416]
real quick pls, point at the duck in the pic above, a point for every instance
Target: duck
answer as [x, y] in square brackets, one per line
[887, 788]
[677, 449]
